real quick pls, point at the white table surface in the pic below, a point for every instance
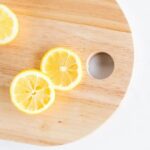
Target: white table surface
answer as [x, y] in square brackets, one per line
[129, 126]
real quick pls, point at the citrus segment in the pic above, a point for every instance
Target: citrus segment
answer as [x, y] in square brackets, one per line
[63, 67]
[32, 92]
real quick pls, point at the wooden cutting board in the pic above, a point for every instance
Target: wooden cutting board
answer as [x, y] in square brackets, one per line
[87, 27]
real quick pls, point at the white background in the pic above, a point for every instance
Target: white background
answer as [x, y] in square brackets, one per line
[129, 127]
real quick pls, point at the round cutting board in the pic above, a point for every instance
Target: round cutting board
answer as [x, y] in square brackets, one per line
[86, 26]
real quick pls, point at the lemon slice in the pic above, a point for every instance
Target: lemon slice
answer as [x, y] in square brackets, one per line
[8, 25]
[63, 67]
[32, 92]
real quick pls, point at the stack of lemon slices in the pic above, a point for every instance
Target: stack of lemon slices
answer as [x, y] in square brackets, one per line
[33, 91]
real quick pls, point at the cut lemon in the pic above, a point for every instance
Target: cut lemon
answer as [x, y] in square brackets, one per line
[8, 25]
[63, 67]
[32, 92]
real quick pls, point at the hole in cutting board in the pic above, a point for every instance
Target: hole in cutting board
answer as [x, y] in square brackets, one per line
[100, 65]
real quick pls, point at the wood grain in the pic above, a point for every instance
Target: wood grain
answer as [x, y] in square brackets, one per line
[87, 27]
